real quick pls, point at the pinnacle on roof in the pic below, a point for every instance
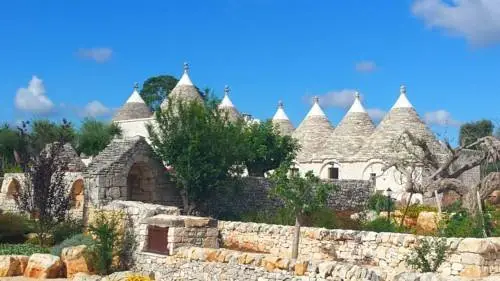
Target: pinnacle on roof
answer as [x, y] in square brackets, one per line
[315, 109]
[356, 105]
[134, 107]
[226, 101]
[228, 106]
[280, 112]
[402, 101]
[280, 120]
[185, 80]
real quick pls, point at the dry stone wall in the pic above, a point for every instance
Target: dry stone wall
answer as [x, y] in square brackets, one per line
[468, 256]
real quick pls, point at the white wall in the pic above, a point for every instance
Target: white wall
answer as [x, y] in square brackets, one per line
[135, 127]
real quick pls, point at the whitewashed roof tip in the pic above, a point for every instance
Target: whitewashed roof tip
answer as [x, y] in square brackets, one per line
[280, 112]
[185, 80]
[226, 101]
[315, 109]
[357, 106]
[402, 101]
[135, 97]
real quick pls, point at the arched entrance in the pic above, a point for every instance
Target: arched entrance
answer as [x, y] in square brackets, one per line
[13, 189]
[140, 183]
[77, 194]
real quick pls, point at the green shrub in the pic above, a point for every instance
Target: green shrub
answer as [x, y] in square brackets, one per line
[75, 240]
[22, 249]
[378, 202]
[323, 217]
[428, 255]
[462, 224]
[66, 230]
[13, 228]
[35, 240]
[105, 229]
[454, 207]
[279, 216]
[380, 225]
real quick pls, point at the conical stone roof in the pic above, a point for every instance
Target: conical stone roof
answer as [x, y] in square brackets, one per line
[184, 90]
[313, 133]
[228, 107]
[351, 133]
[134, 108]
[281, 121]
[402, 117]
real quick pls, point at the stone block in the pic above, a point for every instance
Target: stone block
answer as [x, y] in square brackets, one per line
[471, 258]
[325, 269]
[300, 268]
[11, 265]
[74, 258]
[427, 221]
[43, 266]
[474, 271]
[476, 245]
[86, 277]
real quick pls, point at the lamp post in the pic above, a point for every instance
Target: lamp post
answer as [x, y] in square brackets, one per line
[389, 199]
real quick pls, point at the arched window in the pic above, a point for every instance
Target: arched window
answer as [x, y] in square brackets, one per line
[77, 194]
[13, 189]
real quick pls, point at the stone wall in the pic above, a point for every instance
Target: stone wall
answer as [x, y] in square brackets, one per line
[252, 194]
[468, 256]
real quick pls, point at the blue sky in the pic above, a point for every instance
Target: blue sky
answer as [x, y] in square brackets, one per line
[86, 55]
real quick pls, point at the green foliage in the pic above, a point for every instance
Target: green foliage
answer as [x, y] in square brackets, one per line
[300, 195]
[378, 203]
[380, 225]
[492, 220]
[462, 224]
[204, 149]
[95, 135]
[14, 227]
[9, 142]
[75, 240]
[266, 148]
[471, 131]
[155, 90]
[105, 229]
[454, 207]
[279, 216]
[428, 255]
[35, 240]
[22, 249]
[44, 132]
[415, 209]
[67, 229]
[322, 217]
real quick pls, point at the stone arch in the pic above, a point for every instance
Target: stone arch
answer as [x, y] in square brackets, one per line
[77, 194]
[372, 167]
[323, 171]
[140, 182]
[13, 188]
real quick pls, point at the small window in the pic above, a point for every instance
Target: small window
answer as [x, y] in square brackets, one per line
[333, 173]
[157, 239]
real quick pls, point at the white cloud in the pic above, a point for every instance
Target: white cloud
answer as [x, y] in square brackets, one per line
[440, 118]
[99, 55]
[343, 98]
[366, 66]
[33, 98]
[376, 114]
[476, 20]
[95, 109]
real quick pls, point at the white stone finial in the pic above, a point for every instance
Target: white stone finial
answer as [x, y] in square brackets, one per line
[402, 89]
[402, 101]
[226, 101]
[135, 97]
[316, 99]
[136, 86]
[356, 94]
[280, 113]
[186, 67]
[280, 104]
[315, 109]
[185, 80]
[356, 105]
[226, 90]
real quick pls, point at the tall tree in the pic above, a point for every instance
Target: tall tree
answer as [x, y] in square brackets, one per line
[9, 142]
[472, 131]
[43, 132]
[267, 148]
[95, 135]
[155, 90]
[300, 195]
[44, 195]
[201, 146]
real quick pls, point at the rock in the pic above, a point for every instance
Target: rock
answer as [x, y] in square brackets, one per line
[75, 261]
[12, 265]
[81, 276]
[300, 268]
[427, 221]
[476, 245]
[119, 276]
[325, 269]
[43, 266]
[474, 271]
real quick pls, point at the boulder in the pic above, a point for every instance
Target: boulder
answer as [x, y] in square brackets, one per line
[427, 221]
[300, 268]
[43, 266]
[81, 276]
[74, 258]
[12, 265]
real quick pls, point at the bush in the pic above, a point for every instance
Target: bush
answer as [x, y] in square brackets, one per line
[415, 209]
[105, 229]
[14, 227]
[75, 240]
[428, 255]
[378, 203]
[380, 225]
[279, 216]
[35, 240]
[66, 230]
[22, 249]
[492, 220]
[462, 224]
[323, 217]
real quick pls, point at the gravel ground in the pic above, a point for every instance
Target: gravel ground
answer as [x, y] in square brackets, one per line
[20, 278]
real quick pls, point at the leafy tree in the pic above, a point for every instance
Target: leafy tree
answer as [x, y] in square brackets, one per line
[266, 148]
[155, 90]
[300, 195]
[95, 135]
[202, 147]
[44, 132]
[9, 142]
[44, 195]
[472, 131]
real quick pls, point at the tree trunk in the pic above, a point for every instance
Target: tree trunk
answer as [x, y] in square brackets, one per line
[296, 238]
[406, 210]
[188, 207]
